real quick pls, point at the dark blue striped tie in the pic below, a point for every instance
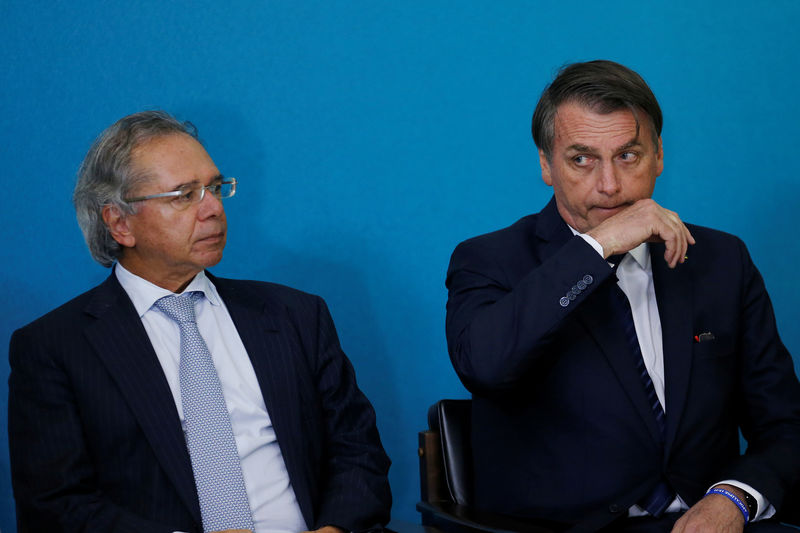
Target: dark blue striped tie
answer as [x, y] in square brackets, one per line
[657, 501]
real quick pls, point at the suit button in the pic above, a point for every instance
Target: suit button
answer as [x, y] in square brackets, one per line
[564, 301]
[588, 279]
[581, 284]
[614, 508]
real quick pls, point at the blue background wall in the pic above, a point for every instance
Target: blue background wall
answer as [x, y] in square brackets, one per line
[370, 137]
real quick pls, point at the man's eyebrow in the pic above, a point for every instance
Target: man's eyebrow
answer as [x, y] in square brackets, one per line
[580, 148]
[583, 148]
[185, 184]
[217, 178]
[630, 144]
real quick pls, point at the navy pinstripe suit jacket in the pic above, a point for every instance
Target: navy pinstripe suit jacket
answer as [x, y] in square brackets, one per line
[96, 442]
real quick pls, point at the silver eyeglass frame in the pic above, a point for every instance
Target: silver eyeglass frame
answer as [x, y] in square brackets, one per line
[202, 189]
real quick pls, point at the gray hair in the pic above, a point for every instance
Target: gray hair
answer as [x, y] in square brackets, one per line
[106, 176]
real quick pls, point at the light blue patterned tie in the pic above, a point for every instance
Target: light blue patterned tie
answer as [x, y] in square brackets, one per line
[209, 436]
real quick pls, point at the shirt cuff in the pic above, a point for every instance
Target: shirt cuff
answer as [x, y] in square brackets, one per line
[594, 244]
[765, 509]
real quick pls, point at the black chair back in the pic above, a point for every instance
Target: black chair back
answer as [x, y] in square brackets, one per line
[452, 419]
[446, 477]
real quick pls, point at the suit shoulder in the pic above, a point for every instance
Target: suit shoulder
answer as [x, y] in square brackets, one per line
[717, 240]
[65, 314]
[303, 310]
[501, 238]
[713, 234]
[716, 251]
[269, 292]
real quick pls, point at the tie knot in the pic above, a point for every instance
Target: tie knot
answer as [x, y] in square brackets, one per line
[179, 308]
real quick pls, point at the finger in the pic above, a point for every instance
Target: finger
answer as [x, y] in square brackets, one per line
[688, 240]
[676, 256]
[677, 219]
[690, 236]
[673, 241]
[676, 248]
[684, 245]
[669, 253]
[682, 236]
[666, 226]
[679, 251]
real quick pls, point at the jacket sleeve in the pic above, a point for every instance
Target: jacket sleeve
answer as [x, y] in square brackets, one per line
[500, 323]
[769, 400]
[355, 491]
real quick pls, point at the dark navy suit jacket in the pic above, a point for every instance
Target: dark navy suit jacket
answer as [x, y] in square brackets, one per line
[562, 427]
[95, 438]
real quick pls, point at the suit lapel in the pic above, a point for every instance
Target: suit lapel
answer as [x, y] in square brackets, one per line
[275, 353]
[121, 342]
[551, 231]
[609, 335]
[673, 289]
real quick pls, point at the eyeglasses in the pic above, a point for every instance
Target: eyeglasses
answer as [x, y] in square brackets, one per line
[192, 194]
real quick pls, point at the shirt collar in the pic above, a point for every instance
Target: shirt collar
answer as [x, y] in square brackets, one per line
[641, 256]
[144, 294]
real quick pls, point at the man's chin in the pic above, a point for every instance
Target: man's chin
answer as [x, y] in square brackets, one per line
[210, 258]
[209, 250]
[214, 262]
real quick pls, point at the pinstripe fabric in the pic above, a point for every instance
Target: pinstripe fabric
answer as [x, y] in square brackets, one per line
[95, 438]
[307, 366]
[79, 425]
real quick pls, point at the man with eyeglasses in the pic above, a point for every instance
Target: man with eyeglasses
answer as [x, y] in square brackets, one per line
[167, 399]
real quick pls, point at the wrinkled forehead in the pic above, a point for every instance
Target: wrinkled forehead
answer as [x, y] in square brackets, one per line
[162, 145]
[172, 160]
[619, 120]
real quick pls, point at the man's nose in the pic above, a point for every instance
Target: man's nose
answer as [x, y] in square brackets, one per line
[608, 181]
[209, 206]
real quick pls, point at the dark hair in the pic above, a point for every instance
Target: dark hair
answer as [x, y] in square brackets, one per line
[106, 175]
[604, 86]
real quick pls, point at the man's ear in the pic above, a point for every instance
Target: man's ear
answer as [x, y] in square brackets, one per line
[118, 225]
[659, 157]
[545, 168]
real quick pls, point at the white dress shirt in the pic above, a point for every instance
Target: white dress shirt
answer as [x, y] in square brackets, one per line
[635, 278]
[272, 499]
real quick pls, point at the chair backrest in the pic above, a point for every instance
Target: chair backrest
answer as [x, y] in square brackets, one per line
[452, 420]
[447, 478]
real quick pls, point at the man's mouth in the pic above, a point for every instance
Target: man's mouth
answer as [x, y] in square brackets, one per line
[214, 237]
[617, 207]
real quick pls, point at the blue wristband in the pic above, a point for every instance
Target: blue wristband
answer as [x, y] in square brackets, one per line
[732, 497]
